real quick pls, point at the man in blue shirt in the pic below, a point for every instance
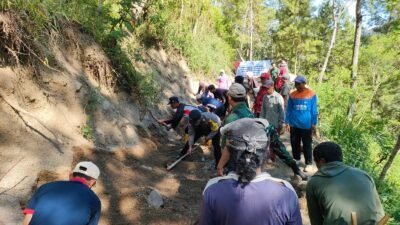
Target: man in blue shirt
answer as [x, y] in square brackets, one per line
[249, 196]
[301, 119]
[67, 202]
[213, 104]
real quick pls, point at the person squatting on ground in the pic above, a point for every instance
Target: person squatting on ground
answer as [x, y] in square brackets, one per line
[260, 95]
[204, 124]
[67, 202]
[240, 110]
[213, 104]
[180, 117]
[220, 94]
[248, 196]
[301, 119]
[336, 190]
[203, 90]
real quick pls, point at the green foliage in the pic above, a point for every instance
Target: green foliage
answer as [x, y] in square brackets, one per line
[368, 139]
[145, 86]
[94, 100]
[87, 130]
[194, 28]
[353, 141]
[108, 24]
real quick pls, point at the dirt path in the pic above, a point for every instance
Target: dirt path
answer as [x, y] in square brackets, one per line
[129, 175]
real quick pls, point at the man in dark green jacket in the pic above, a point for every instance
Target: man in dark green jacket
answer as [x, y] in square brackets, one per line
[237, 98]
[337, 190]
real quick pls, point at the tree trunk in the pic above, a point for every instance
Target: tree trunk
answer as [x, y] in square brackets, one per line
[331, 44]
[251, 30]
[100, 6]
[354, 65]
[240, 55]
[356, 46]
[295, 66]
[196, 24]
[390, 160]
[180, 16]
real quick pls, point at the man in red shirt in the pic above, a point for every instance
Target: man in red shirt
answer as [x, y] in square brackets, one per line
[282, 71]
[265, 78]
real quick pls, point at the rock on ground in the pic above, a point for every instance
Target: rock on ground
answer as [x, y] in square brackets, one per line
[155, 199]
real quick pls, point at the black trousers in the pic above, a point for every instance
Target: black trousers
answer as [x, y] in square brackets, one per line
[297, 137]
[202, 131]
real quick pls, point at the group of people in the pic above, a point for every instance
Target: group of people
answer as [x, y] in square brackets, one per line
[284, 109]
[242, 140]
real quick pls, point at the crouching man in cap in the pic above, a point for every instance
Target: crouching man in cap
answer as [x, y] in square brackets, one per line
[67, 202]
[248, 196]
[203, 124]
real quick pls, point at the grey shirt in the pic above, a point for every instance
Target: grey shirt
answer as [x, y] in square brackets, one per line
[273, 109]
[286, 89]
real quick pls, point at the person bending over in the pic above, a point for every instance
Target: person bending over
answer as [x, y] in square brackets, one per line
[67, 202]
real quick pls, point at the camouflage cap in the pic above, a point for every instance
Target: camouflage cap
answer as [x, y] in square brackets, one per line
[247, 134]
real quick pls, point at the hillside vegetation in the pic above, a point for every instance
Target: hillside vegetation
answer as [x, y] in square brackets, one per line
[211, 34]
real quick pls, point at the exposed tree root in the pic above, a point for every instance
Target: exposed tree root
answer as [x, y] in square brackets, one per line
[13, 185]
[12, 167]
[18, 111]
[13, 40]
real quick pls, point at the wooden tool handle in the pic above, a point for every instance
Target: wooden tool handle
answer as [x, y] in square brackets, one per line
[353, 218]
[384, 220]
[180, 159]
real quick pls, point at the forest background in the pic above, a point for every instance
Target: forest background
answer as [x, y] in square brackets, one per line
[359, 94]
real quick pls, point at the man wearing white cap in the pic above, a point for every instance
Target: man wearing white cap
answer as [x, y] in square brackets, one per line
[67, 202]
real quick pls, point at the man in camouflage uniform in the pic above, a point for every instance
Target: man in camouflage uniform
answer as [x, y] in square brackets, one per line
[236, 97]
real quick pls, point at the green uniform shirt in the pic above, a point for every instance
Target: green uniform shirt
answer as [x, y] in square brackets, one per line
[336, 190]
[238, 112]
[242, 111]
